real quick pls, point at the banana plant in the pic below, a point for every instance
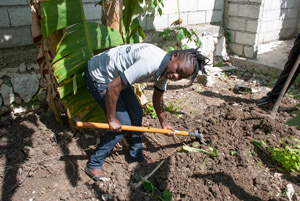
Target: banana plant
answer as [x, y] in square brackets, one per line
[74, 51]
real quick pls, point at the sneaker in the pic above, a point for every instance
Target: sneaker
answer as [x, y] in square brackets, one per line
[264, 100]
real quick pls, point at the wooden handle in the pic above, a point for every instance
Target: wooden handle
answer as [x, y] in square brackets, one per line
[127, 128]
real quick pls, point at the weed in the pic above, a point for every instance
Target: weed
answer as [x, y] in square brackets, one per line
[180, 34]
[212, 153]
[172, 109]
[149, 187]
[149, 110]
[288, 158]
[296, 120]
[219, 64]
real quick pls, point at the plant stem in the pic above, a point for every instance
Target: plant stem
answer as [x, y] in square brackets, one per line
[178, 9]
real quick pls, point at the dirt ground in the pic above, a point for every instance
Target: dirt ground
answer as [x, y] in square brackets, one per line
[44, 160]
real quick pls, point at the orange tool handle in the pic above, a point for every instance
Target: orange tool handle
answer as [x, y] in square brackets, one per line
[127, 128]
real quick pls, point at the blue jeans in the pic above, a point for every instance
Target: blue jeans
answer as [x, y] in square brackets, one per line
[128, 112]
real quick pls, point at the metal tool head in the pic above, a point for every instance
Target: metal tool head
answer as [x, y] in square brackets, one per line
[198, 135]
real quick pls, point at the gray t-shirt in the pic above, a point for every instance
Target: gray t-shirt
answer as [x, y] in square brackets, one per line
[135, 63]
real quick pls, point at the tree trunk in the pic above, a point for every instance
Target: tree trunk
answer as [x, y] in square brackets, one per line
[112, 14]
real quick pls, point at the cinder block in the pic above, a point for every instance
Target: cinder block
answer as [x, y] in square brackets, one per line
[270, 26]
[269, 36]
[236, 23]
[92, 12]
[289, 4]
[271, 15]
[251, 11]
[20, 16]
[13, 2]
[236, 1]
[245, 38]
[170, 7]
[214, 16]
[219, 4]
[236, 48]
[196, 17]
[256, 1]
[267, 5]
[174, 16]
[276, 4]
[15, 37]
[233, 9]
[157, 22]
[206, 5]
[252, 26]
[290, 13]
[4, 19]
[188, 5]
[287, 33]
[143, 22]
[250, 52]
[289, 23]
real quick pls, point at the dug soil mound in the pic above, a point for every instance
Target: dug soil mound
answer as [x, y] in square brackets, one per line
[44, 160]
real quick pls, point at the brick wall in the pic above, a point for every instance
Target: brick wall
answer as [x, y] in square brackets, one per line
[15, 17]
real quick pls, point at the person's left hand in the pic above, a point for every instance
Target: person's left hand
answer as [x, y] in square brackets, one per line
[168, 127]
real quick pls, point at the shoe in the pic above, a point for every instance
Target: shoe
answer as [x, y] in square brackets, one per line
[264, 100]
[91, 175]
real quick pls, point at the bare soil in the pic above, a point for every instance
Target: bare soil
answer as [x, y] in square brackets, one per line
[44, 160]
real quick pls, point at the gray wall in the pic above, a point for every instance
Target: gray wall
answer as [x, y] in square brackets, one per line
[15, 17]
[252, 22]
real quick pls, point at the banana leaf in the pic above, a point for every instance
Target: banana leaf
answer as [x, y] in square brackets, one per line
[74, 51]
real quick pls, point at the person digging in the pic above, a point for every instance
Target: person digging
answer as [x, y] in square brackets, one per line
[109, 77]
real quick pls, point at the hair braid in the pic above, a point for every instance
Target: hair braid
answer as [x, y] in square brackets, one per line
[194, 57]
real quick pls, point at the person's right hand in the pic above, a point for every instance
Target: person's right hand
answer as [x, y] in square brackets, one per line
[115, 126]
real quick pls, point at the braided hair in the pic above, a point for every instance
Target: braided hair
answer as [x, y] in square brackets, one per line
[195, 58]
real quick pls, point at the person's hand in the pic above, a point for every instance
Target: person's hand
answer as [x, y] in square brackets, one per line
[115, 126]
[168, 127]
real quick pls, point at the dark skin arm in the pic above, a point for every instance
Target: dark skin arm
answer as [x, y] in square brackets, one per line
[112, 94]
[159, 107]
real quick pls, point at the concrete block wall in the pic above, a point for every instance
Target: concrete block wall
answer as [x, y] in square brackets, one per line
[15, 21]
[191, 12]
[253, 22]
[15, 17]
[279, 20]
[242, 22]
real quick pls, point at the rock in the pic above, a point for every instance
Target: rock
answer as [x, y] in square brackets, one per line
[26, 85]
[207, 81]
[9, 72]
[22, 67]
[29, 151]
[221, 49]
[19, 110]
[7, 94]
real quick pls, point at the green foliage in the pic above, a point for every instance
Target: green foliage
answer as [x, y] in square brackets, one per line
[180, 34]
[172, 109]
[148, 109]
[150, 188]
[167, 196]
[219, 64]
[296, 120]
[148, 185]
[288, 158]
[211, 153]
[227, 36]
[75, 49]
